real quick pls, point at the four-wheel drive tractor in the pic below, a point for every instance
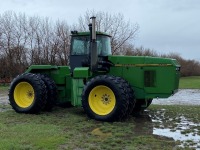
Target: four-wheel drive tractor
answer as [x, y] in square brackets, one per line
[109, 88]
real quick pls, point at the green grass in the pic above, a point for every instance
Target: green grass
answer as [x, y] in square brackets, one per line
[69, 128]
[192, 82]
[2, 87]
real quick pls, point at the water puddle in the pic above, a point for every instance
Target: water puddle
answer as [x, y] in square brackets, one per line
[190, 140]
[181, 98]
[181, 129]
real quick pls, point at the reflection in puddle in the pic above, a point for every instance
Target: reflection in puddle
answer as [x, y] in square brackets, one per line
[180, 129]
[178, 136]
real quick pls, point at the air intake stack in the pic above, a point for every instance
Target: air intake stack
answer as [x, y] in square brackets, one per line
[93, 45]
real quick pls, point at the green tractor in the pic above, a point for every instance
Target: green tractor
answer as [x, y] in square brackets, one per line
[109, 88]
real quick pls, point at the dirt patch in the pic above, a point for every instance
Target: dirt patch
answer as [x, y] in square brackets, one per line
[4, 101]
[4, 97]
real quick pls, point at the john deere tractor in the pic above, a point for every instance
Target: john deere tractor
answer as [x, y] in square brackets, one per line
[109, 88]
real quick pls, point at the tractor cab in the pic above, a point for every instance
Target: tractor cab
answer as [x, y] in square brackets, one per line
[80, 54]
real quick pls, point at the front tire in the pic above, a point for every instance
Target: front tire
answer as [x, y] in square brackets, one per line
[104, 98]
[27, 94]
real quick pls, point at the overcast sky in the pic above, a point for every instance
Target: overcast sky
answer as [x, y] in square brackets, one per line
[165, 25]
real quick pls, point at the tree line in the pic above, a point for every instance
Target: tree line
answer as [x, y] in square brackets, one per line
[188, 67]
[25, 41]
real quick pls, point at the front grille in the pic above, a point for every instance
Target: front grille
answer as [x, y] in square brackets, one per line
[149, 78]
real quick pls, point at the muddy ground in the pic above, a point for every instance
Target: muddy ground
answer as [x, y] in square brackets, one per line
[182, 97]
[3, 97]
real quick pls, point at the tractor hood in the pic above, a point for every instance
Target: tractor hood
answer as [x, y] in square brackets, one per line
[142, 61]
[150, 77]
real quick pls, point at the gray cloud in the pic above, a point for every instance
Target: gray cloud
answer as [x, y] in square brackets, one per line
[165, 25]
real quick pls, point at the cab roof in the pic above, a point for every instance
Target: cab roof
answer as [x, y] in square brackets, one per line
[76, 33]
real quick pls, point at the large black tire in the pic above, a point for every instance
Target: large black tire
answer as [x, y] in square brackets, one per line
[28, 94]
[131, 96]
[139, 106]
[52, 92]
[105, 98]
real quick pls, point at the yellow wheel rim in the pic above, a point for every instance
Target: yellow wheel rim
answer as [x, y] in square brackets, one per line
[102, 100]
[24, 94]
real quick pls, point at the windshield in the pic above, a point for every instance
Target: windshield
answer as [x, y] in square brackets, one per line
[80, 45]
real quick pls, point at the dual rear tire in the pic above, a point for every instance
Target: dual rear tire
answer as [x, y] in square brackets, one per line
[104, 97]
[108, 98]
[32, 93]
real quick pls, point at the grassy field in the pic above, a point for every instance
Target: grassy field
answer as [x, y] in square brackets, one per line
[69, 128]
[192, 82]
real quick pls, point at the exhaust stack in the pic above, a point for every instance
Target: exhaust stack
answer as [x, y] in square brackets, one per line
[93, 45]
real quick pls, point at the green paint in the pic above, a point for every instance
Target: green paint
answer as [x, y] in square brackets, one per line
[81, 72]
[77, 88]
[61, 76]
[150, 77]
[41, 67]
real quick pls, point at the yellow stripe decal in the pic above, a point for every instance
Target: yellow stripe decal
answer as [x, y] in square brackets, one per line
[143, 65]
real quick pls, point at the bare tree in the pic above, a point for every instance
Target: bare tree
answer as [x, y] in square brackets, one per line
[122, 31]
[62, 42]
[33, 40]
[7, 40]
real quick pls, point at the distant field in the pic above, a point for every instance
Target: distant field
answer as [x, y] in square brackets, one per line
[192, 82]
